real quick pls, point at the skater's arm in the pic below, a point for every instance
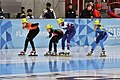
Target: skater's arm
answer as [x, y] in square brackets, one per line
[96, 34]
[50, 35]
[103, 29]
[65, 25]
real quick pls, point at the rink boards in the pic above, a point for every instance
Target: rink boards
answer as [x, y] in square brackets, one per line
[12, 35]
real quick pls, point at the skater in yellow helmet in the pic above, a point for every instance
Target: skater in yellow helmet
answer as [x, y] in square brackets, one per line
[100, 36]
[56, 35]
[97, 22]
[60, 20]
[69, 34]
[33, 31]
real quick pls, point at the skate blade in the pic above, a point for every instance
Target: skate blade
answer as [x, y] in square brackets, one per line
[47, 54]
[50, 55]
[103, 56]
[21, 54]
[64, 55]
[54, 55]
[89, 55]
[33, 55]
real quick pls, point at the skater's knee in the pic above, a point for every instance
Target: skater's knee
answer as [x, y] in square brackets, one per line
[27, 40]
[51, 41]
[97, 41]
[68, 41]
[63, 41]
[31, 41]
[101, 42]
[55, 43]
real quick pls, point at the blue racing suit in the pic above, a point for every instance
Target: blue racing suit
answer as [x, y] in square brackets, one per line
[69, 34]
[101, 35]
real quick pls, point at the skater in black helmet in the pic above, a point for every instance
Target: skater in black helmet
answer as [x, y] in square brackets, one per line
[33, 31]
[56, 35]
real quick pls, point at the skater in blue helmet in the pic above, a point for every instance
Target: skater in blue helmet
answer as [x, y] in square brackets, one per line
[69, 34]
[101, 35]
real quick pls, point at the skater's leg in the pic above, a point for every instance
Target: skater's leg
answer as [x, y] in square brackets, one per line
[55, 41]
[33, 52]
[31, 36]
[92, 49]
[102, 41]
[50, 45]
[96, 42]
[25, 47]
[70, 36]
[102, 54]
[63, 41]
[55, 47]
[26, 44]
[94, 45]
[32, 44]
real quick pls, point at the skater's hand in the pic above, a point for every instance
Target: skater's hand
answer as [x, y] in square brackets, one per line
[111, 33]
[23, 27]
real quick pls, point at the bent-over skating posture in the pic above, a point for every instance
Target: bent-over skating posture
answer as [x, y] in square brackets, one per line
[100, 37]
[33, 31]
[69, 34]
[57, 35]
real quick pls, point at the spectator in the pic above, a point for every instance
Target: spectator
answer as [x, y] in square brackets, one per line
[92, 3]
[96, 11]
[48, 13]
[93, 6]
[86, 13]
[70, 13]
[20, 15]
[29, 14]
[1, 14]
[111, 13]
[23, 16]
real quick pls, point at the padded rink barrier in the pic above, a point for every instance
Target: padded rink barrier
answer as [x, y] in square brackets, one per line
[12, 36]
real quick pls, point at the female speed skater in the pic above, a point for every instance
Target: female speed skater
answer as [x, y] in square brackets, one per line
[100, 36]
[69, 34]
[33, 31]
[57, 35]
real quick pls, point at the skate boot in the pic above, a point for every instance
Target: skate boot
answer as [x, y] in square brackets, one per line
[33, 53]
[90, 53]
[54, 53]
[49, 53]
[62, 53]
[102, 54]
[67, 54]
[22, 53]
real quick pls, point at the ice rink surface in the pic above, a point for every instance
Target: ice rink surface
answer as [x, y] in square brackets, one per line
[77, 67]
